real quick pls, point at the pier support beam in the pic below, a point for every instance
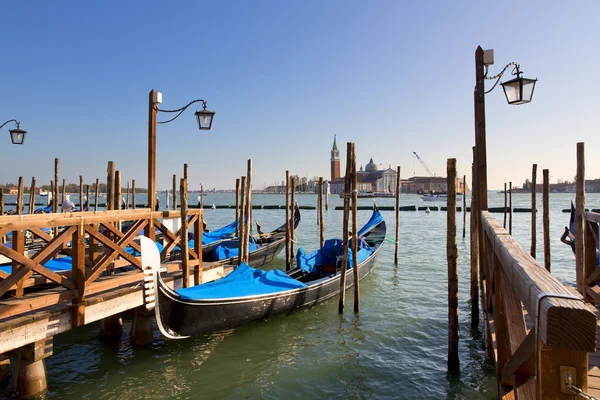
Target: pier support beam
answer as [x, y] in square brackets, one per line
[31, 370]
[141, 327]
[4, 368]
[111, 327]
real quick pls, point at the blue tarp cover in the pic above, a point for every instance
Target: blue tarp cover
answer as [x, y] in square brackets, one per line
[218, 234]
[332, 249]
[54, 265]
[229, 248]
[376, 218]
[243, 281]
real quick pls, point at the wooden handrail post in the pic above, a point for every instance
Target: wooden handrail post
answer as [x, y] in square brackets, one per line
[533, 209]
[579, 211]
[78, 275]
[452, 256]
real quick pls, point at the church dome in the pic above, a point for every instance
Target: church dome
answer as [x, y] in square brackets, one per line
[371, 166]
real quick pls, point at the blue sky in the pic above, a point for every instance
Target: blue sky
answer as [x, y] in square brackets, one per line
[284, 77]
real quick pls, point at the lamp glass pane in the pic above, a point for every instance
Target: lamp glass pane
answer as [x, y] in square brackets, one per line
[204, 119]
[528, 85]
[17, 136]
[512, 89]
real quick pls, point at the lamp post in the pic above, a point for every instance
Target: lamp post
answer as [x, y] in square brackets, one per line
[517, 91]
[17, 135]
[204, 119]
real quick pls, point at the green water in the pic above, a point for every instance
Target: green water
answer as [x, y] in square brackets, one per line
[395, 348]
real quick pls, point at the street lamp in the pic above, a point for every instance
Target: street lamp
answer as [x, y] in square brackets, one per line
[17, 136]
[204, 118]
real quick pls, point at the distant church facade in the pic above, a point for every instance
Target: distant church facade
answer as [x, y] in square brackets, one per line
[369, 179]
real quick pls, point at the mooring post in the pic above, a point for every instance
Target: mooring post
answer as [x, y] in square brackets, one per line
[505, 205]
[533, 210]
[133, 194]
[185, 256]
[579, 212]
[355, 233]
[87, 197]
[118, 200]
[32, 196]
[202, 196]
[248, 209]
[127, 197]
[174, 192]
[510, 211]
[287, 221]
[55, 193]
[397, 210]
[347, 198]
[20, 190]
[237, 208]
[64, 192]
[464, 210]
[452, 255]
[292, 218]
[81, 193]
[1, 200]
[546, 218]
[320, 211]
[242, 220]
[96, 194]
[327, 195]
[110, 186]
[474, 233]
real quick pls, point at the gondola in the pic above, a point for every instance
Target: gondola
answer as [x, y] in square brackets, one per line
[249, 294]
[263, 247]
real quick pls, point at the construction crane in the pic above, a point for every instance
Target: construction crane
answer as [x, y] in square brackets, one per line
[424, 164]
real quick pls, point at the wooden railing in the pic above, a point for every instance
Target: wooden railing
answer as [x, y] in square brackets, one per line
[97, 243]
[518, 295]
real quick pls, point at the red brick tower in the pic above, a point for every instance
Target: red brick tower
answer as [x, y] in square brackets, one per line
[335, 160]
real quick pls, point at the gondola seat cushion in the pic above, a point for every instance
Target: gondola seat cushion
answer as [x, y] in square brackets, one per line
[229, 248]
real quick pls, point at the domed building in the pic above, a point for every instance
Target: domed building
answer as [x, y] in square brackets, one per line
[370, 180]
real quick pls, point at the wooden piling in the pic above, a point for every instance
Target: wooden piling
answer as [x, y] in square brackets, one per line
[185, 256]
[287, 220]
[505, 205]
[133, 193]
[546, 218]
[452, 255]
[110, 185]
[201, 196]
[96, 194]
[398, 182]
[242, 231]
[510, 212]
[87, 197]
[186, 171]
[579, 212]
[248, 209]
[20, 191]
[64, 191]
[32, 196]
[117, 199]
[464, 208]
[355, 233]
[174, 192]
[291, 219]
[347, 188]
[80, 192]
[237, 208]
[52, 193]
[55, 194]
[327, 196]
[321, 224]
[1, 200]
[127, 196]
[474, 233]
[533, 210]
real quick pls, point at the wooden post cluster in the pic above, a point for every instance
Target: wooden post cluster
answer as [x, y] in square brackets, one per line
[533, 210]
[320, 212]
[347, 199]
[452, 256]
[546, 218]
[397, 210]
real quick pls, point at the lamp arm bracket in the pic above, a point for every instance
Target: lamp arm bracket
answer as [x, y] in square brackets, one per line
[180, 110]
[10, 120]
[499, 76]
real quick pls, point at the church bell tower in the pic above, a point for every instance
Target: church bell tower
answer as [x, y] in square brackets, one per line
[335, 160]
